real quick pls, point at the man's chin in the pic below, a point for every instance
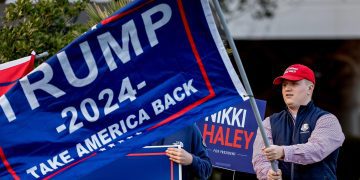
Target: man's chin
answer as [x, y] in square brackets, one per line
[290, 105]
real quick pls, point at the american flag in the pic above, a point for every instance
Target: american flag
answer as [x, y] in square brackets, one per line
[12, 71]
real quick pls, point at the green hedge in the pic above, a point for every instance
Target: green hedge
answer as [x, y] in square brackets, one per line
[48, 25]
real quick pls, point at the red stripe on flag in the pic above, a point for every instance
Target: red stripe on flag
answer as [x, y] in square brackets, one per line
[69, 166]
[171, 170]
[202, 70]
[119, 16]
[147, 154]
[7, 165]
[12, 71]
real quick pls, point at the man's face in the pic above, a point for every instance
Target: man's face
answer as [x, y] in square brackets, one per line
[296, 93]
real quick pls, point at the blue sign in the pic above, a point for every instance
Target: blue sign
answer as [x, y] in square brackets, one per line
[147, 71]
[229, 135]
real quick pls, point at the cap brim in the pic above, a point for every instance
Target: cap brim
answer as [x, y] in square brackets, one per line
[280, 79]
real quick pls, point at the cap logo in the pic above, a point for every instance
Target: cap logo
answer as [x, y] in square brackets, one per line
[291, 70]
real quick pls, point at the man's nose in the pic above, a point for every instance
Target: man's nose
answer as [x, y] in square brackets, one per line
[287, 88]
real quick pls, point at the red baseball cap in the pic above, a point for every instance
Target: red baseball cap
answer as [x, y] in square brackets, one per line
[296, 72]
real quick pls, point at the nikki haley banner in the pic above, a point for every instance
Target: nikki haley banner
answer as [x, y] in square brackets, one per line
[12, 71]
[229, 135]
[147, 71]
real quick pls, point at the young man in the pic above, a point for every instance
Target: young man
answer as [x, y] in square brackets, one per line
[305, 139]
[193, 156]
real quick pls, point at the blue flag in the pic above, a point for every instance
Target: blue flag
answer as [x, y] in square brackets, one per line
[147, 71]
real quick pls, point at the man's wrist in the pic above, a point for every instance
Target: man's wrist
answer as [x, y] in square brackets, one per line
[282, 153]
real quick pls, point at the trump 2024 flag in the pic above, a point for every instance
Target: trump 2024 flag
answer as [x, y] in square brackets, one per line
[12, 71]
[147, 71]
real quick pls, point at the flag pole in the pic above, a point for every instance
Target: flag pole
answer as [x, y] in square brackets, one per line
[244, 79]
[44, 54]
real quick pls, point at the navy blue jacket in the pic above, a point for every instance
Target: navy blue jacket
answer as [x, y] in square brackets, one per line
[285, 133]
[192, 141]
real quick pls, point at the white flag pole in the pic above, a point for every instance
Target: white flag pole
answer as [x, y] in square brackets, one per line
[44, 54]
[244, 79]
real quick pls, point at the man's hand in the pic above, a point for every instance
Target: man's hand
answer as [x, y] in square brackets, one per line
[274, 152]
[179, 156]
[272, 175]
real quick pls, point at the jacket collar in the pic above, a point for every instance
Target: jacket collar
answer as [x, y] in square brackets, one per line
[302, 108]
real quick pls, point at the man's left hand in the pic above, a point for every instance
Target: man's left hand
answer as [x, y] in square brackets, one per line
[274, 152]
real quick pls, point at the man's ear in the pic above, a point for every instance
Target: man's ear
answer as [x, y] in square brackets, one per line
[311, 87]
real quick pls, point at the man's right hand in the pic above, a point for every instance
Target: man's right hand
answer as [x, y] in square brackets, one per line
[272, 175]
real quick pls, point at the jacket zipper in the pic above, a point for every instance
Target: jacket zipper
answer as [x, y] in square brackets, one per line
[293, 134]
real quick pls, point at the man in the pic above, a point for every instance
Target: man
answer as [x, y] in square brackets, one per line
[305, 138]
[193, 156]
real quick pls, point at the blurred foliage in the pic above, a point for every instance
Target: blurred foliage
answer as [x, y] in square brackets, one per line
[259, 9]
[98, 12]
[47, 25]
[50, 25]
